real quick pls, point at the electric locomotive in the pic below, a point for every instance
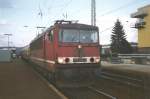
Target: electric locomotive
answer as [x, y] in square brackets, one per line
[67, 53]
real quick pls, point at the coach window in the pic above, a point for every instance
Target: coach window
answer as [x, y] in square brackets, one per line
[51, 36]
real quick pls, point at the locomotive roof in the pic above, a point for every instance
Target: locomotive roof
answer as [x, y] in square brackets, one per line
[42, 34]
[38, 36]
[73, 25]
[69, 25]
[77, 26]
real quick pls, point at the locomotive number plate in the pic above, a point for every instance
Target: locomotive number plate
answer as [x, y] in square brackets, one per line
[79, 60]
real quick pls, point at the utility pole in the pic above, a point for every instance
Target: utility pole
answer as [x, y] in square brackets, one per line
[8, 38]
[93, 12]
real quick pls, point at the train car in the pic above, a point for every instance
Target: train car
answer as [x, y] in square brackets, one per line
[68, 53]
[25, 53]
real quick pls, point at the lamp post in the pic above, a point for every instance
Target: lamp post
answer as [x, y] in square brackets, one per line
[8, 38]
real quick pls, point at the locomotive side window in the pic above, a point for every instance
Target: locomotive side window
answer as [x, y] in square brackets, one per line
[60, 35]
[51, 35]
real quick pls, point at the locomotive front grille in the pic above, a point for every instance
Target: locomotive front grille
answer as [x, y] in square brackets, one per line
[71, 60]
[79, 60]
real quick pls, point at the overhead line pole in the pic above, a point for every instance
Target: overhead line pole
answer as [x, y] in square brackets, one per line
[93, 12]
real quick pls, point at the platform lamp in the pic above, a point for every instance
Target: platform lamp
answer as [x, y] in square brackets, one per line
[8, 38]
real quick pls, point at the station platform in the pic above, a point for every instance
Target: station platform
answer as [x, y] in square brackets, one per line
[18, 80]
[137, 71]
[133, 68]
[133, 72]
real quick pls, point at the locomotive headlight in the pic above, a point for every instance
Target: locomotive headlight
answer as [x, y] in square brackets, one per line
[79, 46]
[97, 60]
[60, 60]
[92, 59]
[67, 60]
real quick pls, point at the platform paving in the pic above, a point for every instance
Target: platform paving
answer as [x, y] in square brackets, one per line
[133, 71]
[18, 80]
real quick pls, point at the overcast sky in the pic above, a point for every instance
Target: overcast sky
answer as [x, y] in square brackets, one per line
[15, 14]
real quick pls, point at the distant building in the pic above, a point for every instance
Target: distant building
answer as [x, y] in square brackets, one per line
[5, 55]
[105, 49]
[16, 50]
[143, 26]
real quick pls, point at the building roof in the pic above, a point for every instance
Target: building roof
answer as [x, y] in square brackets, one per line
[144, 7]
[142, 12]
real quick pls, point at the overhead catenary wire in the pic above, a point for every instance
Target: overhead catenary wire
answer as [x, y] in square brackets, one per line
[117, 9]
[50, 6]
[62, 7]
[121, 7]
[106, 29]
[104, 14]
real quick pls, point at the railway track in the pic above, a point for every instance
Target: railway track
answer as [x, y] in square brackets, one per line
[100, 92]
[86, 93]
[76, 92]
[135, 82]
[121, 86]
[93, 92]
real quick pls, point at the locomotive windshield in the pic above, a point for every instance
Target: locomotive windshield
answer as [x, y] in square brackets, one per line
[78, 36]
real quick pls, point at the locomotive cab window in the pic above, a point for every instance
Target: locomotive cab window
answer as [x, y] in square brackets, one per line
[88, 36]
[78, 36]
[69, 35]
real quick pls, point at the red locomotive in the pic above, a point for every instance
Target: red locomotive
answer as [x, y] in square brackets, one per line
[67, 52]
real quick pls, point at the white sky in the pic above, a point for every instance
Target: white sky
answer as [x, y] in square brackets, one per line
[15, 14]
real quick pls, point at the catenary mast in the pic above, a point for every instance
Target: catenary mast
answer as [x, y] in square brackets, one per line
[93, 12]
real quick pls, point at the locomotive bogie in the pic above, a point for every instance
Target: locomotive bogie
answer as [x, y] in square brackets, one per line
[75, 77]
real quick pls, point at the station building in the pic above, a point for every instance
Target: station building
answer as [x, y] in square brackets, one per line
[143, 26]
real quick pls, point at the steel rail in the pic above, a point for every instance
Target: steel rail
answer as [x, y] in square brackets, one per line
[122, 79]
[121, 76]
[103, 93]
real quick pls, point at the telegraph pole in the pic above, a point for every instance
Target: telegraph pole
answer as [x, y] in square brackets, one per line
[93, 12]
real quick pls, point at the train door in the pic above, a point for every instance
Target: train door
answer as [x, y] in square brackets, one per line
[49, 46]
